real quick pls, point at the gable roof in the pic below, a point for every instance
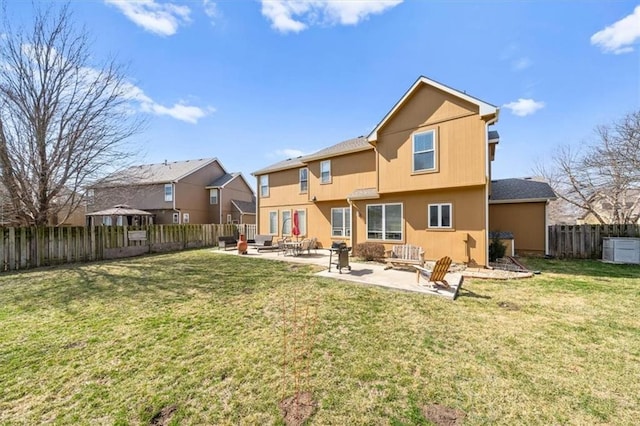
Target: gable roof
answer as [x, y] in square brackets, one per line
[166, 172]
[345, 147]
[245, 207]
[520, 191]
[485, 109]
[223, 180]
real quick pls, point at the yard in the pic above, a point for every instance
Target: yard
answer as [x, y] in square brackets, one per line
[197, 338]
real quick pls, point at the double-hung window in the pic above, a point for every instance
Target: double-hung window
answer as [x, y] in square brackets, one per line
[264, 185]
[424, 151]
[341, 222]
[325, 171]
[286, 222]
[273, 222]
[304, 180]
[384, 222]
[213, 196]
[440, 215]
[302, 222]
[168, 192]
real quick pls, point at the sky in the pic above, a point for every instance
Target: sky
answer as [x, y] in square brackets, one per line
[253, 82]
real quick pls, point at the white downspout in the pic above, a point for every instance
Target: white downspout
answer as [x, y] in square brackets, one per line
[173, 197]
[486, 185]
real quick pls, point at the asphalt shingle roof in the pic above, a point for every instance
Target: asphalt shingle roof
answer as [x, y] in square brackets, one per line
[157, 173]
[493, 134]
[224, 179]
[351, 145]
[245, 206]
[520, 189]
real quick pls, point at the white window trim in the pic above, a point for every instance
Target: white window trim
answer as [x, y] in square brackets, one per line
[345, 226]
[229, 218]
[413, 152]
[277, 222]
[289, 221]
[330, 175]
[214, 191]
[303, 191]
[176, 218]
[266, 178]
[439, 226]
[169, 196]
[384, 213]
[302, 224]
[185, 217]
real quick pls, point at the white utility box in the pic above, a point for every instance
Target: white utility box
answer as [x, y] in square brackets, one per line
[621, 250]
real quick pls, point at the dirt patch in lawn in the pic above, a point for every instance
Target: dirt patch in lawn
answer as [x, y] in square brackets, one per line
[443, 416]
[297, 409]
[163, 418]
[509, 306]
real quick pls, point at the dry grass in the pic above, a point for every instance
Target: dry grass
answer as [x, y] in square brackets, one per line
[196, 337]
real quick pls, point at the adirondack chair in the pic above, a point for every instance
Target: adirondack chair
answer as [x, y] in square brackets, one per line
[436, 275]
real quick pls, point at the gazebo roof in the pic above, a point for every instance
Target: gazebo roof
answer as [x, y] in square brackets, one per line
[120, 210]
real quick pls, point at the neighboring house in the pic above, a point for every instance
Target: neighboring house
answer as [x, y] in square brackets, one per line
[421, 177]
[520, 207]
[192, 191]
[65, 217]
[605, 209]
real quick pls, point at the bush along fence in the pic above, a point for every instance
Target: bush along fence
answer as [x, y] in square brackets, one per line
[31, 247]
[585, 241]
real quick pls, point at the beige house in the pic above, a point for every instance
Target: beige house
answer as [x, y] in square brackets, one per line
[192, 191]
[628, 210]
[422, 176]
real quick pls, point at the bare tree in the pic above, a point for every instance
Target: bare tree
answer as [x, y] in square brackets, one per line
[63, 121]
[602, 178]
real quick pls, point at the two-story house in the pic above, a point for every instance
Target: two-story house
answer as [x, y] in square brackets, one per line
[422, 176]
[192, 191]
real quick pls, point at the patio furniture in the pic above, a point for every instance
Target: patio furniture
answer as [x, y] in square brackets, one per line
[405, 255]
[227, 241]
[293, 247]
[435, 275]
[262, 241]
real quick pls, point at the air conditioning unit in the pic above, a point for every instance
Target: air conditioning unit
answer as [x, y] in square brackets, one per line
[621, 250]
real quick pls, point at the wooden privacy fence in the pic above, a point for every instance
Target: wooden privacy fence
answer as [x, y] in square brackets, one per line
[30, 247]
[585, 241]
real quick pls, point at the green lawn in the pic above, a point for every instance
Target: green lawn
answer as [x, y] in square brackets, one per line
[200, 334]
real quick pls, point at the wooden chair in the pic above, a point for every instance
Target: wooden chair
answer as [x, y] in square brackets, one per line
[436, 275]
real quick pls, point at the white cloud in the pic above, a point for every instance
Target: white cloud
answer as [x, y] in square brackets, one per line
[158, 18]
[289, 153]
[521, 64]
[211, 10]
[297, 15]
[179, 111]
[524, 107]
[620, 36]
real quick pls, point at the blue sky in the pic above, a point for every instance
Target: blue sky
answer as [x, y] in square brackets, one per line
[253, 82]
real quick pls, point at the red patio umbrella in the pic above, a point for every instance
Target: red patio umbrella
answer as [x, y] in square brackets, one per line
[296, 226]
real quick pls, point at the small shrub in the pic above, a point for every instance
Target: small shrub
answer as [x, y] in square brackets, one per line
[369, 251]
[497, 249]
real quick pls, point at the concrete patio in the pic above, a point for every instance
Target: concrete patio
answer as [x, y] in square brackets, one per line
[377, 274]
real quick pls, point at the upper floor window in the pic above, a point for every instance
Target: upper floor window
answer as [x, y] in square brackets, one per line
[304, 180]
[384, 222]
[325, 171]
[90, 196]
[341, 222]
[440, 215]
[168, 192]
[424, 151]
[185, 217]
[264, 185]
[213, 196]
[273, 222]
